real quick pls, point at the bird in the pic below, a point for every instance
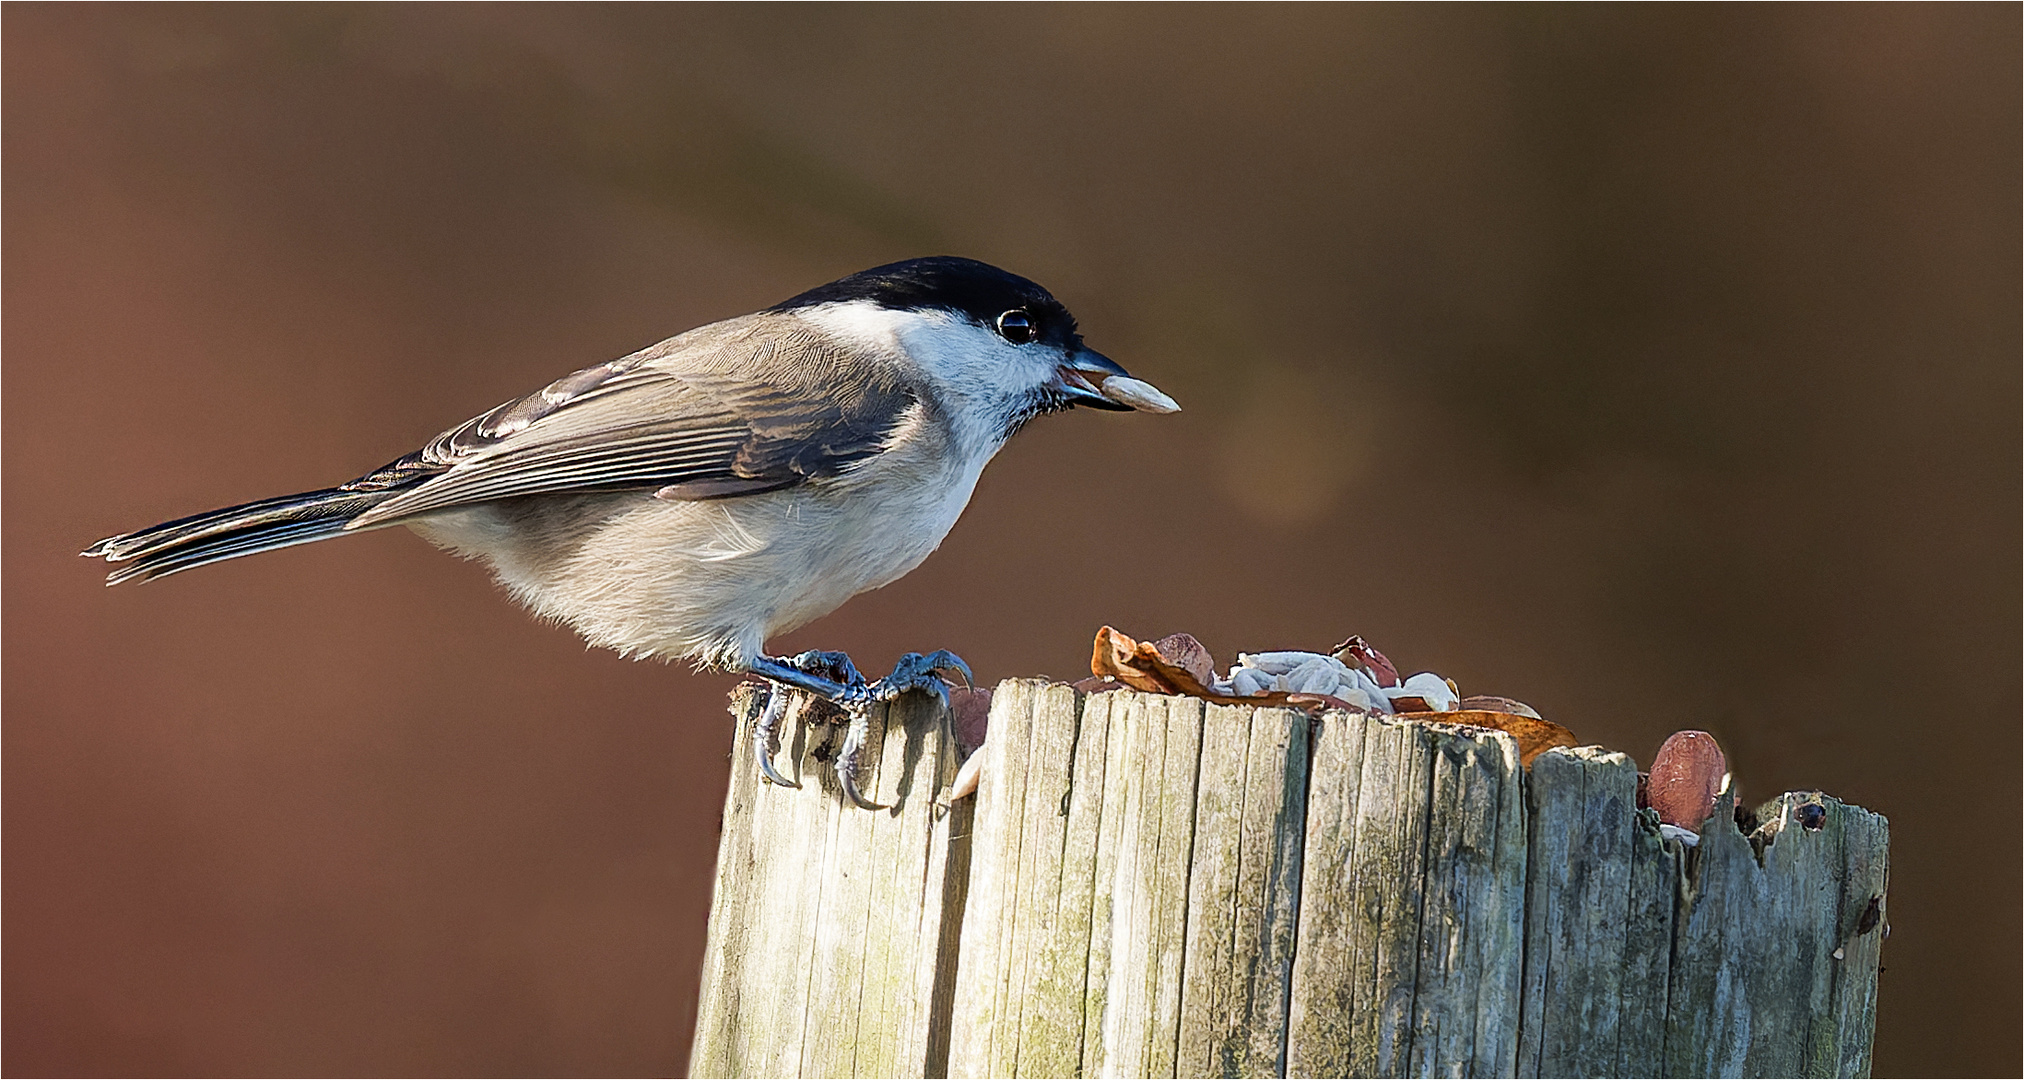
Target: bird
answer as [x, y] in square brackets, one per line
[699, 497]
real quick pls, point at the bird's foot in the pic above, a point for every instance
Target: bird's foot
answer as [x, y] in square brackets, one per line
[915, 671]
[831, 676]
[824, 674]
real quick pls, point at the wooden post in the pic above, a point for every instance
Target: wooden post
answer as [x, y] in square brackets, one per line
[1161, 887]
[832, 929]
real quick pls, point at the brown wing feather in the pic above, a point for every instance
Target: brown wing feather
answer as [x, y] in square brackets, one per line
[705, 415]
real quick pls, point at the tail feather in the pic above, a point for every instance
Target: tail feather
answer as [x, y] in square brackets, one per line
[190, 542]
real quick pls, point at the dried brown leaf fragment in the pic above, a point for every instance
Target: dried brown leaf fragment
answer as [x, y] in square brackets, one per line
[1358, 653]
[1535, 736]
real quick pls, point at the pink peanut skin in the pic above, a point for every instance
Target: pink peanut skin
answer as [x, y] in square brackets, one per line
[1685, 778]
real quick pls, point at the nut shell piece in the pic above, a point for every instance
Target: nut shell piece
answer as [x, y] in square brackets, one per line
[1493, 703]
[1363, 656]
[1188, 654]
[1423, 692]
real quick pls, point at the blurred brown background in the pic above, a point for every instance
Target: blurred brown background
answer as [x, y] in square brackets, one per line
[1657, 366]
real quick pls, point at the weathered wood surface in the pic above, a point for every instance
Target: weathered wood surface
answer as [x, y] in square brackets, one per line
[833, 929]
[1413, 910]
[1197, 839]
[1737, 958]
[1137, 914]
[1600, 892]
[1774, 963]
[1161, 887]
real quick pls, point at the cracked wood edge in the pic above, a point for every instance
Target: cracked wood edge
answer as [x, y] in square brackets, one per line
[1244, 891]
[1647, 958]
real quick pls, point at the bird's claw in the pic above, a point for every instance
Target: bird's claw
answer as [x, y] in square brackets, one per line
[766, 735]
[917, 671]
[846, 759]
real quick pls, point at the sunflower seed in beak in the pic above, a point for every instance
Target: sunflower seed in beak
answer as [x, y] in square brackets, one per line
[1143, 396]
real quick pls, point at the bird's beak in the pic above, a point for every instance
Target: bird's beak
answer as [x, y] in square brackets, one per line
[1079, 389]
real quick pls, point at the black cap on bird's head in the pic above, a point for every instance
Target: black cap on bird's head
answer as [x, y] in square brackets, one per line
[1016, 308]
[973, 290]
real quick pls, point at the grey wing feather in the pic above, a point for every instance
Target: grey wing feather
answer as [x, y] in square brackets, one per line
[687, 422]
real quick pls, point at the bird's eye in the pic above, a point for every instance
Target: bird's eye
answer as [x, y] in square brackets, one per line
[1016, 327]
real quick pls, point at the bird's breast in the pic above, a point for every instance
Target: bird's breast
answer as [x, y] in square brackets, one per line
[872, 525]
[713, 579]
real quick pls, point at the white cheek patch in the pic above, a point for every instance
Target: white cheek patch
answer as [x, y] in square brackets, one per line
[974, 361]
[862, 322]
[962, 361]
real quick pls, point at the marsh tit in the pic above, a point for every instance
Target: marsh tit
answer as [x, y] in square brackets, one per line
[702, 495]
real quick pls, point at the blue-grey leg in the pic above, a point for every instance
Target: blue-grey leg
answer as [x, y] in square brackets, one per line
[834, 666]
[918, 672]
